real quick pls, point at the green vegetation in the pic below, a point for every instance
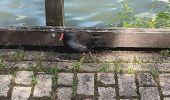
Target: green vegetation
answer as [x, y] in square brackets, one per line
[13, 75]
[2, 65]
[34, 80]
[130, 70]
[18, 55]
[74, 85]
[118, 68]
[104, 69]
[154, 72]
[128, 19]
[165, 53]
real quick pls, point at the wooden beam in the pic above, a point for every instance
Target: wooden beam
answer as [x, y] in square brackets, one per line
[54, 12]
[112, 38]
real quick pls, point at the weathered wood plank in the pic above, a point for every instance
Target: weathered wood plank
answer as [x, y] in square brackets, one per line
[54, 12]
[112, 38]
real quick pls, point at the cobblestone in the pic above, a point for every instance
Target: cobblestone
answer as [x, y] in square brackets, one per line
[106, 93]
[24, 77]
[65, 78]
[4, 84]
[106, 78]
[146, 79]
[43, 86]
[64, 93]
[127, 86]
[85, 83]
[149, 93]
[164, 82]
[21, 93]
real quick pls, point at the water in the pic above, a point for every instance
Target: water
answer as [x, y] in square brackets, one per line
[22, 12]
[78, 13]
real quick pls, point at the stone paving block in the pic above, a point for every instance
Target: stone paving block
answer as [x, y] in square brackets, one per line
[106, 93]
[149, 93]
[137, 66]
[85, 83]
[64, 93]
[21, 93]
[146, 79]
[24, 77]
[127, 86]
[164, 66]
[164, 83]
[106, 78]
[4, 84]
[65, 78]
[43, 86]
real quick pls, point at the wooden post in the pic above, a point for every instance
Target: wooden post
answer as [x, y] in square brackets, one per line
[54, 12]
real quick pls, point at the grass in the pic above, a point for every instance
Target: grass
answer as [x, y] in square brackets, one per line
[18, 55]
[14, 72]
[137, 60]
[104, 69]
[34, 80]
[154, 72]
[77, 65]
[165, 53]
[2, 65]
[130, 70]
[74, 85]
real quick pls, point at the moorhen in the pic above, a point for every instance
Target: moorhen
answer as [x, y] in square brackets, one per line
[69, 40]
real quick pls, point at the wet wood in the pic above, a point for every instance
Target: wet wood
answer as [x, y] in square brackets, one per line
[54, 12]
[112, 38]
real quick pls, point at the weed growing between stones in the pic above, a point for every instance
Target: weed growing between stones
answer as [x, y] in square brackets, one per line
[74, 85]
[2, 65]
[14, 72]
[154, 72]
[18, 55]
[130, 70]
[104, 69]
[118, 68]
[34, 79]
[137, 60]
[76, 68]
[165, 53]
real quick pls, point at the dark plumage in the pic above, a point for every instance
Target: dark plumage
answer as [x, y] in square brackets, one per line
[69, 40]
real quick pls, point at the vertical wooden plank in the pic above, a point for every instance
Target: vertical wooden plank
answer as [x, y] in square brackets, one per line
[54, 12]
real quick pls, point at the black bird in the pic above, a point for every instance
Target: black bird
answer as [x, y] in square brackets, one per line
[70, 41]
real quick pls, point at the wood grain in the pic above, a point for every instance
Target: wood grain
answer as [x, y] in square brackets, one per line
[112, 38]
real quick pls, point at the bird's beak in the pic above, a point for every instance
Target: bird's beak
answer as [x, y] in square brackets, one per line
[61, 36]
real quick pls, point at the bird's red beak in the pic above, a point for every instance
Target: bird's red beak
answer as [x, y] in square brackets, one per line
[61, 36]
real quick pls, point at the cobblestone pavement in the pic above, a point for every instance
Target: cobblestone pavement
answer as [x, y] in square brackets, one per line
[146, 77]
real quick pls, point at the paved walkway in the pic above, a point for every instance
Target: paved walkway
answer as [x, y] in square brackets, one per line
[101, 76]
